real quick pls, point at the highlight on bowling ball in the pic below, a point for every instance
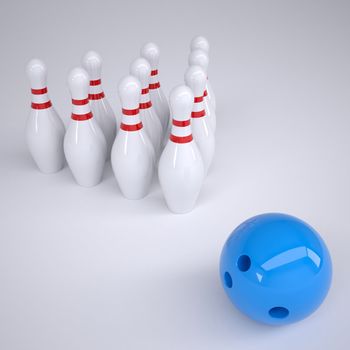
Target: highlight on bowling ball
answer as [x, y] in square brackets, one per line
[275, 269]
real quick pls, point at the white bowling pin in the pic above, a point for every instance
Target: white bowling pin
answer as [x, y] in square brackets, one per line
[141, 69]
[133, 156]
[101, 109]
[181, 170]
[200, 58]
[201, 43]
[203, 134]
[151, 52]
[44, 128]
[84, 144]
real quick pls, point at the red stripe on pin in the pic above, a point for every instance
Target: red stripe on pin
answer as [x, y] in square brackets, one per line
[133, 127]
[144, 91]
[44, 105]
[39, 91]
[130, 111]
[181, 139]
[205, 93]
[97, 96]
[81, 117]
[154, 72]
[198, 99]
[95, 82]
[198, 114]
[181, 123]
[145, 105]
[85, 101]
[154, 86]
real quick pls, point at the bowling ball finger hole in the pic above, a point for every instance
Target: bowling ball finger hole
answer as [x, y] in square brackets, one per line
[228, 280]
[279, 312]
[243, 263]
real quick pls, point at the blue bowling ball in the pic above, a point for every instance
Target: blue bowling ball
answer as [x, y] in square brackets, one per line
[276, 269]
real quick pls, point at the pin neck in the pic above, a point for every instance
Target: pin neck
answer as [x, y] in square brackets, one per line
[81, 109]
[145, 102]
[131, 127]
[44, 105]
[198, 107]
[154, 83]
[80, 102]
[181, 139]
[96, 91]
[131, 120]
[97, 96]
[182, 123]
[205, 91]
[129, 112]
[181, 131]
[39, 91]
[40, 99]
[95, 82]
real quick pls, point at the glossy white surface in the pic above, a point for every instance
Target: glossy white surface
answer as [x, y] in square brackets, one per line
[203, 134]
[210, 112]
[44, 134]
[201, 58]
[181, 174]
[84, 143]
[101, 109]
[106, 119]
[211, 97]
[133, 157]
[151, 52]
[181, 170]
[200, 42]
[44, 128]
[205, 140]
[133, 163]
[141, 69]
[160, 103]
[37, 73]
[85, 149]
[92, 63]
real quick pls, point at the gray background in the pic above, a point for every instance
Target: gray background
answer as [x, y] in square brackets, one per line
[85, 268]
